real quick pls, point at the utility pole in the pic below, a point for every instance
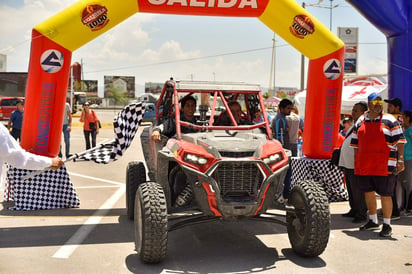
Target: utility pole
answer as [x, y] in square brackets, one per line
[330, 7]
[330, 15]
[271, 90]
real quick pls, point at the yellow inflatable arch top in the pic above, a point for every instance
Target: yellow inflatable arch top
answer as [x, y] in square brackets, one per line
[54, 40]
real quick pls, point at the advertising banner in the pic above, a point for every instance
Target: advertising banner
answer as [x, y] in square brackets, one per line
[124, 85]
[350, 37]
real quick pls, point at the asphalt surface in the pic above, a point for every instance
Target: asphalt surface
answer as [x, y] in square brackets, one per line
[98, 237]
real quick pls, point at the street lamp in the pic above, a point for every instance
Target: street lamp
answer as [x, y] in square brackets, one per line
[330, 7]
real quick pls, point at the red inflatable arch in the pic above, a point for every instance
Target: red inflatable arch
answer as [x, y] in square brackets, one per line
[54, 40]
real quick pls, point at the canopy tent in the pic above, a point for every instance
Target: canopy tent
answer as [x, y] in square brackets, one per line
[272, 102]
[353, 91]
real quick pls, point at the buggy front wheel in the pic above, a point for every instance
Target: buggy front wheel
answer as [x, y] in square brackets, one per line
[150, 222]
[309, 224]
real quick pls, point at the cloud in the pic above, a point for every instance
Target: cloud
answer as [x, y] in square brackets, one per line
[154, 47]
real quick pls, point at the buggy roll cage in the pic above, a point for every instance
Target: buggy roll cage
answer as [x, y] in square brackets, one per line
[168, 104]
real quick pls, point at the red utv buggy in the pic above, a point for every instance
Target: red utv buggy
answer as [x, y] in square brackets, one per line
[218, 173]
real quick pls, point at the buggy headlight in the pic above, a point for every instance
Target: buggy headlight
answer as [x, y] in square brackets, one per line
[272, 159]
[195, 159]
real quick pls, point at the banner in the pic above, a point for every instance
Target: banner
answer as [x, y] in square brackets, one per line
[350, 37]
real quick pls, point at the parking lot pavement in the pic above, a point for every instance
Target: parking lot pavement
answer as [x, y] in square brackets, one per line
[99, 238]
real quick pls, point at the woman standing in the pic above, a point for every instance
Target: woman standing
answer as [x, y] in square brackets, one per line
[406, 175]
[91, 124]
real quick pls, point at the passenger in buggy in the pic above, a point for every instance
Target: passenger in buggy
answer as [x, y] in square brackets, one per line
[168, 127]
[235, 108]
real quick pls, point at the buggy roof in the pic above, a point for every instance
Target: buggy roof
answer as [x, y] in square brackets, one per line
[215, 86]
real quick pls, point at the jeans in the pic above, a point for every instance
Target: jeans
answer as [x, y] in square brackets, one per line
[66, 137]
[87, 135]
[357, 201]
[16, 133]
[294, 149]
[287, 182]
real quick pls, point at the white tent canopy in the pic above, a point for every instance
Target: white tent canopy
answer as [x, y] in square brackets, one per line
[351, 94]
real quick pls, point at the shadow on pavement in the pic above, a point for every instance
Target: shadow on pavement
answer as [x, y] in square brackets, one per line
[221, 248]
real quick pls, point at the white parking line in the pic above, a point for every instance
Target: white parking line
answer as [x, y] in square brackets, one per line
[94, 178]
[91, 187]
[71, 245]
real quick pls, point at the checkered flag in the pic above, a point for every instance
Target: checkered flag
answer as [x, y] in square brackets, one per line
[125, 125]
[45, 189]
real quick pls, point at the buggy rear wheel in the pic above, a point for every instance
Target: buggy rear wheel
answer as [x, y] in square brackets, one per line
[150, 223]
[309, 225]
[135, 176]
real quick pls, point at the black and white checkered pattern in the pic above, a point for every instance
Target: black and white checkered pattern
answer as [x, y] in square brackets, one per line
[53, 189]
[329, 176]
[47, 190]
[125, 125]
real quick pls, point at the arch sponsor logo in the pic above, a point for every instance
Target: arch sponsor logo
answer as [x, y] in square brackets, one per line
[332, 69]
[52, 61]
[95, 17]
[301, 26]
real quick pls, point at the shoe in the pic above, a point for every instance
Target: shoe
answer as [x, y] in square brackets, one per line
[359, 219]
[395, 217]
[369, 226]
[386, 231]
[350, 214]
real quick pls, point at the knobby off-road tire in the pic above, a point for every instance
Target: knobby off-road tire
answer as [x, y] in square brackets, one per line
[309, 226]
[150, 223]
[135, 176]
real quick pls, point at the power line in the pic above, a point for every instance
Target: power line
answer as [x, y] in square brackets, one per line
[188, 59]
[207, 57]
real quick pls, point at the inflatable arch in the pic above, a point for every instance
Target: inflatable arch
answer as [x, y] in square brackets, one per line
[54, 40]
[394, 20]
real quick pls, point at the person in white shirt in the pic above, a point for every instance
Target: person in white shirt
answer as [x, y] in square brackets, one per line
[347, 162]
[12, 153]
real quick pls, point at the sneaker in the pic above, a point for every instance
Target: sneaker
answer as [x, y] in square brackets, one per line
[359, 219]
[369, 226]
[395, 217]
[386, 231]
[350, 214]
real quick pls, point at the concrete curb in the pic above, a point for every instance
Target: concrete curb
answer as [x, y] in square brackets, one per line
[77, 124]
[80, 125]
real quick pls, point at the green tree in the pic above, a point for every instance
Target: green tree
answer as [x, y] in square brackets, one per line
[118, 96]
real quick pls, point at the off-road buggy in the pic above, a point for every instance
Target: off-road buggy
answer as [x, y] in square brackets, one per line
[218, 173]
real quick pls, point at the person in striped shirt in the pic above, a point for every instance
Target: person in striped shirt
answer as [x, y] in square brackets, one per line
[378, 138]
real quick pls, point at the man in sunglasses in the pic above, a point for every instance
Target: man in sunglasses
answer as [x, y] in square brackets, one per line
[378, 138]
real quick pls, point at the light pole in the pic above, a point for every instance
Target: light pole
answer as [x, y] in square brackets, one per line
[330, 7]
[271, 90]
[330, 14]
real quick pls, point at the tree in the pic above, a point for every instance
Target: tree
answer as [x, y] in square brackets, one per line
[118, 96]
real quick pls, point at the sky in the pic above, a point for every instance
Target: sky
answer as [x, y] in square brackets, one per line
[154, 47]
